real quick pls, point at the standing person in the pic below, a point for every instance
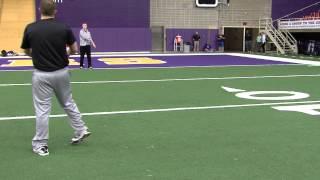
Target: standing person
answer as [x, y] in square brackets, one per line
[221, 40]
[196, 42]
[311, 47]
[263, 42]
[248, 41]
[85, 45]
[45, 41]
[258, 42]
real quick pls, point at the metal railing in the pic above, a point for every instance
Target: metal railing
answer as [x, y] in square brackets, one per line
[283, 40]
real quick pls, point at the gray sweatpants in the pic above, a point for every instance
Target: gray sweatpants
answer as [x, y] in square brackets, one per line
[44, 85]
[196, 46]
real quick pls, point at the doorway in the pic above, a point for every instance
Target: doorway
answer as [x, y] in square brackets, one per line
[235, 38]
[157, 38]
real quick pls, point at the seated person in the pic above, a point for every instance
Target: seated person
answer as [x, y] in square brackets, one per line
[178, 42]
[208, 48]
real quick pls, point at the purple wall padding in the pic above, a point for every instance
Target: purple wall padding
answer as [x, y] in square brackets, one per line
[104, 13]
[119, 39]
[281, 8]
[115, 25]
[207, 36]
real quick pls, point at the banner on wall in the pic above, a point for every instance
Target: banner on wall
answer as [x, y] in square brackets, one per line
[299, 24]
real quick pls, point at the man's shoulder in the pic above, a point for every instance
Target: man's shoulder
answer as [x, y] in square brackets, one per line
[62, 24]
[52, 22]
[31, 24]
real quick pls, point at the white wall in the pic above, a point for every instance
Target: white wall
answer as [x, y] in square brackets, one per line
[182, 14]
[185, 14]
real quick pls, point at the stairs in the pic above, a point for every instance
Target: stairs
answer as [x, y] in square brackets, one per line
[14, 16]
[283, 40]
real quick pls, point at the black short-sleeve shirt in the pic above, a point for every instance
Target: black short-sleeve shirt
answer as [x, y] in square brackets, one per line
[48, 39]
[196, 37]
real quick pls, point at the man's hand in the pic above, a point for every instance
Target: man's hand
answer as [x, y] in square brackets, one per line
[72, 49]
[28, 52]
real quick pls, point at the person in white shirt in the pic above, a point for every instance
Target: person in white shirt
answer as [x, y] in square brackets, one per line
[263, 42]
[258, 42]
[85, 45]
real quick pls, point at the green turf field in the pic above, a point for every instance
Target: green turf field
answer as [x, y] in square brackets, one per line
[224, 142]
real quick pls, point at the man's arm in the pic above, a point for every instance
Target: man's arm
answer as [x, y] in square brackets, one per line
[82, 36]
[91, 41]
[93, 44]
[73, 49]
[72, 46]
[25, 45]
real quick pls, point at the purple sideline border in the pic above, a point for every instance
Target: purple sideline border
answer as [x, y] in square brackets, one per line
[172, 61]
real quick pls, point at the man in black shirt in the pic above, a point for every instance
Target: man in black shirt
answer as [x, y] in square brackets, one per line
[196, 42]
[248, 41]
[45, 41]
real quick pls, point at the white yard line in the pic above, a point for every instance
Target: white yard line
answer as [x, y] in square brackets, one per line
[279, 59]
[180, 79]
[164, 110]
